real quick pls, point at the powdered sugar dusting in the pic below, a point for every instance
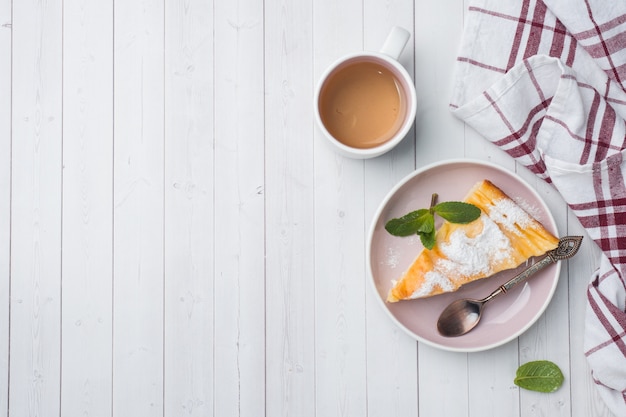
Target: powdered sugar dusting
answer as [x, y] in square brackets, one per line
[528, 208]
[432, 279]
[467, 256]
[392, 258]
[473, 255]
[510, 216]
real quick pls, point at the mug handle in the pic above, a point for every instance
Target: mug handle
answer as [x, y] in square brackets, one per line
[395, 42]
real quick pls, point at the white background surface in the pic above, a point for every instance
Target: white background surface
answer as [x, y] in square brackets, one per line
[177, 240]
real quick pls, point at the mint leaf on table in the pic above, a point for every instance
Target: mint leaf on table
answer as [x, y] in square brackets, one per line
[541, 376]
[422, 221]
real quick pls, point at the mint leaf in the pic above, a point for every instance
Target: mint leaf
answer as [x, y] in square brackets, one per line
[422, 221]
[542, 376]
[428, 239]
[428, 223]
[457, 211]
[415, 222]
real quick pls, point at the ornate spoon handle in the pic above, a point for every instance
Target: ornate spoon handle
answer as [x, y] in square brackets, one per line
[568, 246]
[522, 276]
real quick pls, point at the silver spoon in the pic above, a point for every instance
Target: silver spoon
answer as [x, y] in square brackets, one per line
[463, 315]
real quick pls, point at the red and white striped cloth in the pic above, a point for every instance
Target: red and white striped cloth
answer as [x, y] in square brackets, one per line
[546, 82]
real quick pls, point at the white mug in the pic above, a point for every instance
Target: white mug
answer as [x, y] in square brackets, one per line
[365, 102]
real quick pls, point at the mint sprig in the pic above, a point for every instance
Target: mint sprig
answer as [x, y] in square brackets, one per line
[542, 376]
[422, 221]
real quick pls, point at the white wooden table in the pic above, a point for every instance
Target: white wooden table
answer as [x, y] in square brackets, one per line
[177, 240]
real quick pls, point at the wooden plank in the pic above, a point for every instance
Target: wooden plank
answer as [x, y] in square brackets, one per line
[189, 213]
[240, 277]
[491, 388]
[87, 208]
[438, 30]
[138, 209]
[35, 333]
[443, 382]
[5, 196]
[340, 360]
[289, 204]
[392, 371]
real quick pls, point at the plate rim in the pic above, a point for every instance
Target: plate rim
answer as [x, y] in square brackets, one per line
[368, 255]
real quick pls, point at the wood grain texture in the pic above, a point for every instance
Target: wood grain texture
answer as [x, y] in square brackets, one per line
[240, 277]
[340, 360]
[138, 216]
[289, 203]
[36, 209]
[189, 209]
[5, 195]
[87, 290]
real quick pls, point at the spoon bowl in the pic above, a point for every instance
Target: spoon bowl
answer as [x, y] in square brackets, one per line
[460, 317]
[463, 315]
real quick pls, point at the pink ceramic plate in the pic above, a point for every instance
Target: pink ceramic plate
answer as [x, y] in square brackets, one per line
[504, 318]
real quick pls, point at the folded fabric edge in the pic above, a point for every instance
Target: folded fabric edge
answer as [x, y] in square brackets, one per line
[498, 89]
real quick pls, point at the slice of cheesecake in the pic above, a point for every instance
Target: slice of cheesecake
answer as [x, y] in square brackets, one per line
[503, 237]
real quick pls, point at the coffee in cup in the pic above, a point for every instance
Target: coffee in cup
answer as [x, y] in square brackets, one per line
[365, 102]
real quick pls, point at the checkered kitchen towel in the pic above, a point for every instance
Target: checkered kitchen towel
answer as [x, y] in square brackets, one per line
[546, 82]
